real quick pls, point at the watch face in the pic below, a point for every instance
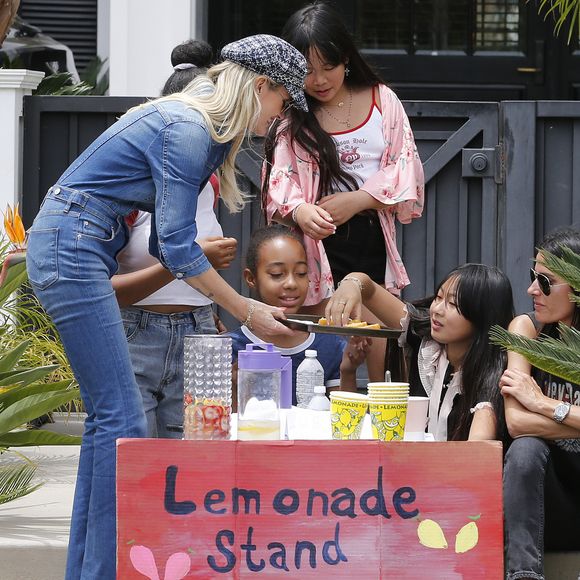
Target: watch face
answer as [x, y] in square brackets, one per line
[561, 411]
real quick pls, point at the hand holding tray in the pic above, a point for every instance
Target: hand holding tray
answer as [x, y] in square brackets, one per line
[309, 323]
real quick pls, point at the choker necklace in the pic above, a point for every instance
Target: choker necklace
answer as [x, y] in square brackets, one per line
[341, 104]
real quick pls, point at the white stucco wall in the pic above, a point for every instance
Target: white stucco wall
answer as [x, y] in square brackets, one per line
[138, 38]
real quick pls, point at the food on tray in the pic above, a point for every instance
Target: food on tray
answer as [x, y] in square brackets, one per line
[353, 323]
[314, 323]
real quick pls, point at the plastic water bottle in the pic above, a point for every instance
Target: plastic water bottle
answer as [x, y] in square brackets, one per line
[308, 374]
[319, 402]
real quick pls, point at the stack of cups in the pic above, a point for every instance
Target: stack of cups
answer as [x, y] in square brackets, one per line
[347, 412]
[388, 410]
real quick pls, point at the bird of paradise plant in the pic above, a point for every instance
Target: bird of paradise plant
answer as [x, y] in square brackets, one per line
[14, 229]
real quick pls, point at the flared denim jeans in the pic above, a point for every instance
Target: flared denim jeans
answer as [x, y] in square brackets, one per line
[71, 257]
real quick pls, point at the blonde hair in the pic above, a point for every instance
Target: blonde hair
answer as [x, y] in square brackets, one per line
[226, 98]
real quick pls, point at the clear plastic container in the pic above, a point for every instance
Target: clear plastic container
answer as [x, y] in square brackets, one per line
[259, 382]
[207, 389]
[308, 374]
[319, 402]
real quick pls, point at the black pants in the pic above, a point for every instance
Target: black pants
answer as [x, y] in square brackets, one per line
[358, 246]
[540, 511]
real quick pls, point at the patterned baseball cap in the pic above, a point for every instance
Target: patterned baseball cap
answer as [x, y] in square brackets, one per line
[272, 57]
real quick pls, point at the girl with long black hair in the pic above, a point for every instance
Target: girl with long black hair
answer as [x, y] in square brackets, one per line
[346, 170]
[446, 337]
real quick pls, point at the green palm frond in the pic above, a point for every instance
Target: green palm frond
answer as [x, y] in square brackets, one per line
[560, 357]
[16, 481]
[567, 267]
[563, 12]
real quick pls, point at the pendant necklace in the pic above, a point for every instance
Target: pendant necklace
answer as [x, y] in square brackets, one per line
[340, 121]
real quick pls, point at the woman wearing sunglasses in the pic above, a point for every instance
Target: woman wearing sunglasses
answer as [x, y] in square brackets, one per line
[542, 469]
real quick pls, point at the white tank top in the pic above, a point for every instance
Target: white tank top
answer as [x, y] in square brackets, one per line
[361, 149]
[135, 255]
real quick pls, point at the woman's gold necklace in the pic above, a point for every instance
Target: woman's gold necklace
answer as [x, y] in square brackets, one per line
[341, 121]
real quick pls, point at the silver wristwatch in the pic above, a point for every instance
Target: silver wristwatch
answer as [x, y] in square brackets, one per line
[561, 412]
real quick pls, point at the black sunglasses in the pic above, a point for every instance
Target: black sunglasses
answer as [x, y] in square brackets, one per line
[543, 282]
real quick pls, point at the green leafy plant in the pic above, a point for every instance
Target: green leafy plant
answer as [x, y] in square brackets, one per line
[62, 84]
[24, 397]
[564, 12]
[560, 357]
[96, 75]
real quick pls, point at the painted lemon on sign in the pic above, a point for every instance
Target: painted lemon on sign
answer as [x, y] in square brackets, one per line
[431, 535]
[467, 538]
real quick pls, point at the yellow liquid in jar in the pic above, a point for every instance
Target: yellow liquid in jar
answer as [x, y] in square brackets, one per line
[253, 430]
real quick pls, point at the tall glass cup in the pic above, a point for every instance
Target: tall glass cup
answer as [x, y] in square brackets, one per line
[207, 389]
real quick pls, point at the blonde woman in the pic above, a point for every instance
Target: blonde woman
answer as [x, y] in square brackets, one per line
[156, 158]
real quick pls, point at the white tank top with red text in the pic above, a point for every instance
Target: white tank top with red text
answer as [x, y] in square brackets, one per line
[361, 149]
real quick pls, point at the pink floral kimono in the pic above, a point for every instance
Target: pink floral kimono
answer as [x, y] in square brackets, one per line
[294, 179]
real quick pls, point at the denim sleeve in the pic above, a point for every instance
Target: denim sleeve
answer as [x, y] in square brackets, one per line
[179, 167]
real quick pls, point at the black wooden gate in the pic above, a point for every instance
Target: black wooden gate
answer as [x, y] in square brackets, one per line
[457, 143]
[499, 176]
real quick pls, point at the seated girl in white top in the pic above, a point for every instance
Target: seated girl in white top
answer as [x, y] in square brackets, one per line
[451, 358]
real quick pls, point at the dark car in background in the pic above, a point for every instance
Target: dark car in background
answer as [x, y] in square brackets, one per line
[26, 46]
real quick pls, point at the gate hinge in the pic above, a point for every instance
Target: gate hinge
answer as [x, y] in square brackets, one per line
[484, 162]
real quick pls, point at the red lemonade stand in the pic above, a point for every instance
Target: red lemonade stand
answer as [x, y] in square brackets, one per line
[309, 509]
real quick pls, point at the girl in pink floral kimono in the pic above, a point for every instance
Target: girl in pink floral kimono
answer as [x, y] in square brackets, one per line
[344, 171]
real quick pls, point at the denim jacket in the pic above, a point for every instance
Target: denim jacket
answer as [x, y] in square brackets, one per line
[156, 159]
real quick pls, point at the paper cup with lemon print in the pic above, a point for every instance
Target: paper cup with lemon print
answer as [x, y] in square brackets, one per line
[388, 419]
[387, 386]
[389, 390]
[347, 411]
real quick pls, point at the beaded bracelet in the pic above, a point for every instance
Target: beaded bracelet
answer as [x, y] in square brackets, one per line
[355, 280]
[295, 210]
[248, 322]
[480, 406]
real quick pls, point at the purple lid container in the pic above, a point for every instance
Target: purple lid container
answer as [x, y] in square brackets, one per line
[260, 357]
[286, 383]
